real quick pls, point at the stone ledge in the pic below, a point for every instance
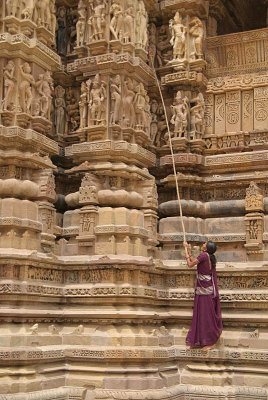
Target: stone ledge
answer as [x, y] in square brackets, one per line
[30, 49]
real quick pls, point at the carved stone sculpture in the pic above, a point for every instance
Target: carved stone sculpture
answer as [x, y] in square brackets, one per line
[196, 32]
[27, 9]
[197, 116]
[60, 107]
[96, 20]
[97, 97]
[178, 32]
[53, 20]
[44, 88]
[81, 26]
[42, 12]
[61, 32]
[141, 25]
[139, 105]
[83, 105]
[25, 87]
[128, 22]
[128, 98]
[115, 89]
[9, 85]
[179, 117]
[11, 8]
[117, 18]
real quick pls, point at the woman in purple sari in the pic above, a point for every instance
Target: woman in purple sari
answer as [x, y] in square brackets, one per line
[206, 324]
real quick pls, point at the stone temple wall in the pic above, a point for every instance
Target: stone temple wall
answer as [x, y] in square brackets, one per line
[96, 297]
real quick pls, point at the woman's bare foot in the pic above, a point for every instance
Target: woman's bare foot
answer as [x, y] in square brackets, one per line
[206, 348]
[190, 347]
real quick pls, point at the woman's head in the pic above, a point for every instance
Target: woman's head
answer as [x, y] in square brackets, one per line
[211, 247]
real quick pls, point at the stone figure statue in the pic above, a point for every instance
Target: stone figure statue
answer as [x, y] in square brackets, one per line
[164, 50]
[116, 92]
[196, 34]
[128, 22]
[139, 105]
[60, 107]
[97, 97]
[128, 107]
[83, 105]
[44, 87]
[72, 117]
[178, 38]
[147, 115]
[12, 8]
[27, 8]
[61, 32]
[81, 24]
[141, 25]
[53, 20]
[25, 87]
[197, 117]
[42, 12]
[180, 111]
[96, 20]
[116, 21]
[9, 85]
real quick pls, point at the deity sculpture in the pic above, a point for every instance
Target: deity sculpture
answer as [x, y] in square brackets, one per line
[163, 47]
[128, 107]
[53, 20]
[27, 9]
[44, 88]
[60, 107]
[25, 87]
[180, 112]
[61, 32]
[147, 115]
[11, 8]
[196, 33]
[116, 91]
[197, 116]
[178, 39]
[97, 97]
[116, 22]
[81, 24]
[9, 85]
[141, 25]
[139, 105]
[83, 105]
[128, 22]
[96, 20]
[42, 12]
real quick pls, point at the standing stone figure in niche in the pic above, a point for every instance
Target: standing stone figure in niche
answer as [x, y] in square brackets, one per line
[60, 109]
[61, 32]
[179, 117]
[128, 107]
[25, 88]
[96, 102]
[53, 20]
[128, 22]
[27, 9]
[116, 92]
[44, 88]
[83, 105]
[116, 22]
[96, 20]
[11, 8]
[81, 24]
[196, 33]
[177, 40]
[139, 105]
[197, 117]
[141, 25]
[42, 10]
[9, 85]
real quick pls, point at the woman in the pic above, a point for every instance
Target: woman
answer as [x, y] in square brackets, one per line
[206, 324]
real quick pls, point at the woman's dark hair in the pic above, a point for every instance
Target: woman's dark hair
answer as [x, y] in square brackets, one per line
[211, 248]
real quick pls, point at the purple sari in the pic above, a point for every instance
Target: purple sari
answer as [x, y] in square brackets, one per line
[206, 324]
